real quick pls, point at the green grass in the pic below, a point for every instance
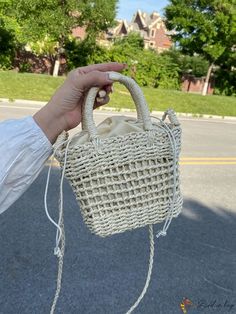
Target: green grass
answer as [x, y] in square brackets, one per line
[161, 99]
[28, 86]
[42, 87]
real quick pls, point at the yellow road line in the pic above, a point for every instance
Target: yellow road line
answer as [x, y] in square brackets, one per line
[208, 161]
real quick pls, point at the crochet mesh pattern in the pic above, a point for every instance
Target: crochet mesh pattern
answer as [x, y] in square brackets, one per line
[127, 183]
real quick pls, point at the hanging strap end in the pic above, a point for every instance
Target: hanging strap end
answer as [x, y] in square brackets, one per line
[161, 233]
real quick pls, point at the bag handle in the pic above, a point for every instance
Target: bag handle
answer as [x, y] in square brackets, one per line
[136, 93]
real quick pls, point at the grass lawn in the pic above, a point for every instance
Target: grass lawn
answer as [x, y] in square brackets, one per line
[41, 87]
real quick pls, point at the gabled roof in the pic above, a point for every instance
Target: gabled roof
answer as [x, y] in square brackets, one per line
[147, 20]
[138, 15]
[125, 25]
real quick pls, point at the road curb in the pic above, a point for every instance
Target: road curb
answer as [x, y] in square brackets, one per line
[23, 102]
[113, 109]
[179, 114]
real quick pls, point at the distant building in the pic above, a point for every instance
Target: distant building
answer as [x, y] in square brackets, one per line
[150, 27]
[193, 84]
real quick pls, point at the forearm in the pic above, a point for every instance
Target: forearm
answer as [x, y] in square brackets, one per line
[50, 121]
[23, 149]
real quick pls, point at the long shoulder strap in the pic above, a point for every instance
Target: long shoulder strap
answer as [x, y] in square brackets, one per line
[151, 257]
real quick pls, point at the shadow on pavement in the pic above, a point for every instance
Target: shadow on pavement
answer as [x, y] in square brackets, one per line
[196, 260]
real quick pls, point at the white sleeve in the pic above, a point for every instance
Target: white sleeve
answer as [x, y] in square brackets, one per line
[24, 148]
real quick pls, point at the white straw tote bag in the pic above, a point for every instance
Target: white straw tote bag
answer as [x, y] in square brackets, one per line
[124, 172]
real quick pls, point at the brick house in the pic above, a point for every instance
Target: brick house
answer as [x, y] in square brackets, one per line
[194, 84]
[151, 28]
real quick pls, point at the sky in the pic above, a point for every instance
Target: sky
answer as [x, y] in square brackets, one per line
[126, 8]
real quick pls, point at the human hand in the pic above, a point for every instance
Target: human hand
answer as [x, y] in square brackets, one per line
[64, 110]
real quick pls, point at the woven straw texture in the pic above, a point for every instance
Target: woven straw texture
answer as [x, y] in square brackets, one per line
[123, 182]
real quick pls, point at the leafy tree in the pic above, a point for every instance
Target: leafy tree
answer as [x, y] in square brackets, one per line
[53, 20]
[225, 82]
[204, 27]
[8, 20]
[157, 70]
[35, 22]
[133, 40]
[82, 53]
[97, 16]
[56, 18]
[6, 48]
[8, 28]
[195, 65]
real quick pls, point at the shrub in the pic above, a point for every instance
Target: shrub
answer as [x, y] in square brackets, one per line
[132, 40]
[6, 49]
[195, 65]
[5, 62]
[147, 67]
[82, 53]
[225, 82]
[25, 67]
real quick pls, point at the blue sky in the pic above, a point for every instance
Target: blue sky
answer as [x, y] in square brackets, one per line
[126, 8]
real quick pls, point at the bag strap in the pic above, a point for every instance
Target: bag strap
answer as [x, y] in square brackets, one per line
[149, 274]
[136, 93]
[163, 232]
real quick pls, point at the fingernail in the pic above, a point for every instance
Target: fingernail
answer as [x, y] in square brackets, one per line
[102, 93]
[99, 99]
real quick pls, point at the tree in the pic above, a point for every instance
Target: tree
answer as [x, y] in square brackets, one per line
[8, 28]
[203, 27]
[97, 16]
[132, 40]
[53, 20]
[82, 53]
[7, 19]
[226, 75]
[194, 65]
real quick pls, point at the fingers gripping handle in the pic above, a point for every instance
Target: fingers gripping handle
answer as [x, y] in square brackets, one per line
[136, 93]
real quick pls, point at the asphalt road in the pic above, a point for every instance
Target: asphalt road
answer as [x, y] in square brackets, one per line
[196, 260]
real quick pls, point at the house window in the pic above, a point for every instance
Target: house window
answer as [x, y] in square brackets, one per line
[153, 33]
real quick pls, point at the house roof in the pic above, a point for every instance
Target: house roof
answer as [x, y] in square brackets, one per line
[142, 23]
[147, 20]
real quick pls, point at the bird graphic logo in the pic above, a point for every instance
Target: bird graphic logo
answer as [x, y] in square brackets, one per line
[185, 304]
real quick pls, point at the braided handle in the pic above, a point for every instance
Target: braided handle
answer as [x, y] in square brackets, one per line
[136, 93]
[172, 117]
